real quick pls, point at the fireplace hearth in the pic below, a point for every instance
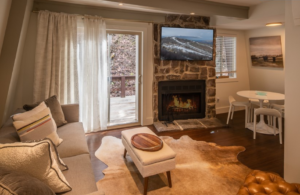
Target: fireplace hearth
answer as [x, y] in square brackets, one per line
[181, 100]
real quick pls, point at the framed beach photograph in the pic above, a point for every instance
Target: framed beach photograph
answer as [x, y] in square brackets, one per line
[266, 51]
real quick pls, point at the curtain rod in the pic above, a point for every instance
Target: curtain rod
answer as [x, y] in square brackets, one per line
[138, 21]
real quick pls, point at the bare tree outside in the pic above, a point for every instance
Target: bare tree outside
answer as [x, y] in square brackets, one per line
[122, 56]
[123, 63]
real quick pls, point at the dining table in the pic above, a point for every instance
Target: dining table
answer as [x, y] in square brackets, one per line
[261, 126]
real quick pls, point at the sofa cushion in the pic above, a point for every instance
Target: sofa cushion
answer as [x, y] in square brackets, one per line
[21, 183]
[62, 166]
[8, 134]
[71, 112]
[74, 140]
[35, 159]
[55, 108]
[38, 125]
[80, 175]
[24, 115]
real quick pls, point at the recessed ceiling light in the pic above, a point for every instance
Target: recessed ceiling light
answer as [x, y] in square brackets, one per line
[192, 13]
[120, 4]
[274, 24]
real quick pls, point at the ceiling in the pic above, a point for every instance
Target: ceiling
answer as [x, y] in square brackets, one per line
[247, 3]
[226, 14]
[199, 7]
[259, 16]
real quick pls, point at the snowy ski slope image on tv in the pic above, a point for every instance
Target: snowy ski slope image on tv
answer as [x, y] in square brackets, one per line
[186, 44]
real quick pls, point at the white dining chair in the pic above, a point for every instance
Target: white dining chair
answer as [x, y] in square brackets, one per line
[254, 103]
[233, 103]
[278, 107]
[269, 112]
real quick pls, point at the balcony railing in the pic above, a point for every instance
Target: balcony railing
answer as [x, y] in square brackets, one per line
[123, 87]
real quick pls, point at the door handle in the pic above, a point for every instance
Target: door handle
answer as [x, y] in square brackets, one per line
[140, 79]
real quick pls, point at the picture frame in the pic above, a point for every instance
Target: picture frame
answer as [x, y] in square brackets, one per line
[266, 51]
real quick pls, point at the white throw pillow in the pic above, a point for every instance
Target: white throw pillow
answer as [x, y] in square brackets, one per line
[22, 116]
[35, 159]
[37, 125]
[60, 162]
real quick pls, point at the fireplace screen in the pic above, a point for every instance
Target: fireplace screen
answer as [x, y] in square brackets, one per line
[181, 103]
[181, 99]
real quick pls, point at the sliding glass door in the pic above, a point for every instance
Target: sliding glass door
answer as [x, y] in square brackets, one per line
[124, 85]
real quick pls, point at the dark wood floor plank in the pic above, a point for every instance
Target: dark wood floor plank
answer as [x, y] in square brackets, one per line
[265, 153]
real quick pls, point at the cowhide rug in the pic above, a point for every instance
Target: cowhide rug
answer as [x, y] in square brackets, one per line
[202, 168]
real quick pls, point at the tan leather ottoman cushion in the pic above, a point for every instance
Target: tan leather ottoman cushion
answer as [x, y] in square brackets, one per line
[262, 183]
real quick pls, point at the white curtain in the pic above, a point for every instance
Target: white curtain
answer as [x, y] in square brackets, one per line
[71, 62]
[56, 68]
[92, 61]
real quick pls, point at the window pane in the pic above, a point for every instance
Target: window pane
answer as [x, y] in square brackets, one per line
[226, 56]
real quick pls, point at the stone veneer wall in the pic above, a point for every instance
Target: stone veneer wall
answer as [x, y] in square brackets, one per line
[184, 70]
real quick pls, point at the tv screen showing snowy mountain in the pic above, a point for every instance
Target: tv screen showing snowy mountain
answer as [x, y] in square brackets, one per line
[186, 44]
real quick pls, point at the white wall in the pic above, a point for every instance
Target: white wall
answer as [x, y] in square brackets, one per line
[227, 87]
[11, 55]
[4, 13]
[263, 78]
[258, 16]
[292, 103]
[25, 82]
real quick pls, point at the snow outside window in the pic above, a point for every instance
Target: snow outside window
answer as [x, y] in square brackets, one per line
[226, 57]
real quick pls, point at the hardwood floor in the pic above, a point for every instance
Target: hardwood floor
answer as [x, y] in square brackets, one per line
[265, 153]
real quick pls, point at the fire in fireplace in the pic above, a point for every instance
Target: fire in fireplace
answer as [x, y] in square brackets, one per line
[177, 103]
[181, 100]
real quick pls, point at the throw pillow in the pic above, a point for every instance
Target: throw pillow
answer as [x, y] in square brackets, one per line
[37, 126]
[55, 108]
[60, 162]
[28, 107]
[21, 183]
[22, 116]
[35, 159]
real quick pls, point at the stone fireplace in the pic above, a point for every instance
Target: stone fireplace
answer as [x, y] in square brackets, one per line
[177, 71]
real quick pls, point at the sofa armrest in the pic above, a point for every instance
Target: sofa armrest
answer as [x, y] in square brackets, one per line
[71, 112]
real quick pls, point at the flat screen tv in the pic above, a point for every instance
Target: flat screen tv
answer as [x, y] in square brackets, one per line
[186, 44]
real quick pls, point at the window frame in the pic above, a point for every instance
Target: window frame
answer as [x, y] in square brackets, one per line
[235, 79]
